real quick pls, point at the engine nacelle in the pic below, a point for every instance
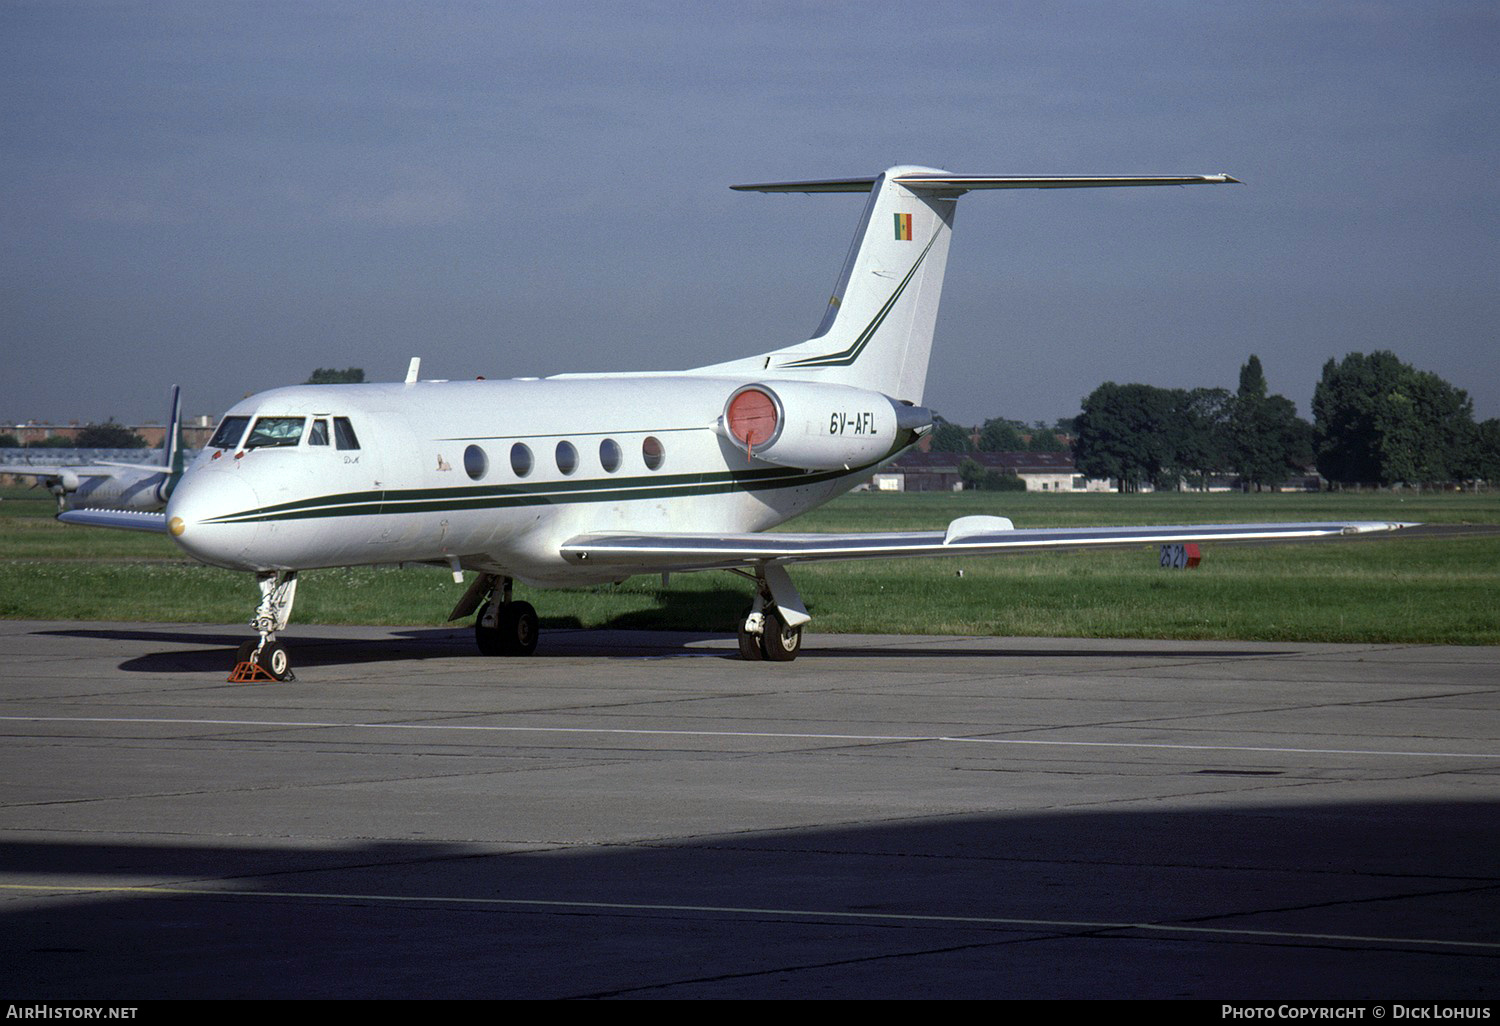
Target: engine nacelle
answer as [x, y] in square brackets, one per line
[64, 483]
[818, 427]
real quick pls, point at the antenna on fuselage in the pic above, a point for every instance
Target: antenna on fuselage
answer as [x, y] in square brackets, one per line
[412, 369]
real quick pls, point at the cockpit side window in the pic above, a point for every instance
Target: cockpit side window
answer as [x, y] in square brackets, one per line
[318, 435]
[343, 434]
[231, 430]
[274, 432]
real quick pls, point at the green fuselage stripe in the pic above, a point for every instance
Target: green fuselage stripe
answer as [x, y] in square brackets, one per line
[430, 500]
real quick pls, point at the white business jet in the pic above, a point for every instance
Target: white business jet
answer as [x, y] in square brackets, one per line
[114, 484]
[584, 478]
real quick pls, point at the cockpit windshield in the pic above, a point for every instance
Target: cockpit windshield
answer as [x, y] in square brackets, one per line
[274, 431]
[231, 429]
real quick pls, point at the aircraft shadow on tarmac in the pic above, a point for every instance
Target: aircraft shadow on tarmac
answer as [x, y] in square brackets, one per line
[415, 644]
[1266, 901]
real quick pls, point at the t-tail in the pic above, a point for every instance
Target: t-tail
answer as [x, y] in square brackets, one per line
[877, 330]
[175, 457]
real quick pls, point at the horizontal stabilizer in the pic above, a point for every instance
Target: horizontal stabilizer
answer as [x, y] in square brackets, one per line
[943, 181]
[829, 185]
[650, 552]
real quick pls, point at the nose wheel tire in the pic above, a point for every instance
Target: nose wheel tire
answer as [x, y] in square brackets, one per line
[272, 658]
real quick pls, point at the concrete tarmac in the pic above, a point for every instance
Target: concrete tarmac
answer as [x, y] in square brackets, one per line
[633, 814]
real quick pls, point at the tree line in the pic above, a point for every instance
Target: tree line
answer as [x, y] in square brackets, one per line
[1376, 421]
[999, 435]
[1167, 437]
[1383, 422]
[108, 435]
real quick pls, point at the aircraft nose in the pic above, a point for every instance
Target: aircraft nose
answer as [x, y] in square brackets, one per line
[202, 518]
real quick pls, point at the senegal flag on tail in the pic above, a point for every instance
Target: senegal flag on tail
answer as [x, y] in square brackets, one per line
[903, 227]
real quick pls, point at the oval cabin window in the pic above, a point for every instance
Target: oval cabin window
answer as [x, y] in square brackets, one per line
[520, 459]
[653, 453]
[476, 463]
[609, 455]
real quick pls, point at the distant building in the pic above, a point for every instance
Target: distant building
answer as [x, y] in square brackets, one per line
[917, 471]
[196, 432]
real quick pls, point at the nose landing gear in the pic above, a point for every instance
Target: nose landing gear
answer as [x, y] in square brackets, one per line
[267, 659]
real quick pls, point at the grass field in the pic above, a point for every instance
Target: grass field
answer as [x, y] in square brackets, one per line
[1392, 589]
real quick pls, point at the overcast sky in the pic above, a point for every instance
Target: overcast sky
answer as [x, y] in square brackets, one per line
[228, 195]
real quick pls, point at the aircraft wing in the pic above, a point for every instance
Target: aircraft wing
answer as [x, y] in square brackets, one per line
[54, 470]
[153, 468]
[125, 519]
[979, 535]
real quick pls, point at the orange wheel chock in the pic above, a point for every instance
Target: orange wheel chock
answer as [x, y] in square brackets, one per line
[250, 672]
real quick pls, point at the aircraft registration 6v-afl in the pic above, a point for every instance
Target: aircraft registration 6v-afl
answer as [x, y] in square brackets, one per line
[586, 478]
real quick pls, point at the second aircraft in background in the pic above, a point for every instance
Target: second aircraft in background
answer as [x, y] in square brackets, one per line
[114, 484]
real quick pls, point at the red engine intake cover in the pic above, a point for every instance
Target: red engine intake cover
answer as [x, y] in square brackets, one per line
[751, 418]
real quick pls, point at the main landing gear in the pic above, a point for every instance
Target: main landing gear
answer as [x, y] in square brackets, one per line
[266, 659]
[772, 629]
[503, 627]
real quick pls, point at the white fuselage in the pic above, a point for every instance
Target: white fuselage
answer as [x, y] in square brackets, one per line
[438, 472]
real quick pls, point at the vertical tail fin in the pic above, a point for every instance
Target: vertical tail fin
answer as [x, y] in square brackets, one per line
[174, 457]
[877, 330]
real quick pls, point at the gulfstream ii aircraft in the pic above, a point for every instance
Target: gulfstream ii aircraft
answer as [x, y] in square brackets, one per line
[585, 478]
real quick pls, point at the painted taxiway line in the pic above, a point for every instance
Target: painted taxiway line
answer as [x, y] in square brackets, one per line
[746, 734]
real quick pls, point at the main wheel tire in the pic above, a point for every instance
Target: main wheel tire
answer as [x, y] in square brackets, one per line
[274, 660]
[749, 644]
[519, 628]
[780, 643]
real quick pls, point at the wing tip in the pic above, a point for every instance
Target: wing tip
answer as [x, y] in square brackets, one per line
[1376, 526]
